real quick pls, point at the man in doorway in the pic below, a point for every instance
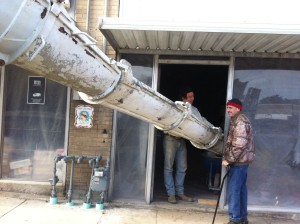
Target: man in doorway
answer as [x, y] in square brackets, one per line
[175, 151]
[239, 153]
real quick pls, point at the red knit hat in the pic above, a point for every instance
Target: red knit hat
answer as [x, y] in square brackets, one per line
[236, 103]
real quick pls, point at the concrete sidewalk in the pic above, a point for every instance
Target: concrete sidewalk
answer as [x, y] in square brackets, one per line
[29, 209]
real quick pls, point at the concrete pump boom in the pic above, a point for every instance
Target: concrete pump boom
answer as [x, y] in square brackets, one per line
[40, 36]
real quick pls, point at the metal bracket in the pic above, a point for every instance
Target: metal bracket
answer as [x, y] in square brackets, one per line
[77, 34]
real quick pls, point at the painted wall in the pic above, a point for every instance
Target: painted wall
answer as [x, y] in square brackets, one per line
[235, 11]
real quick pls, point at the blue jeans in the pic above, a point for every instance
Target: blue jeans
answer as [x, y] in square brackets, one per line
[237, 193]
[175, 151]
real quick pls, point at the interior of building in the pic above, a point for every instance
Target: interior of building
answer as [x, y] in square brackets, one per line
[209, 83]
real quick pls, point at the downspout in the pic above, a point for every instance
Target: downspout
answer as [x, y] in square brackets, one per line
[105, 15]
[88, 16]
[2, 87]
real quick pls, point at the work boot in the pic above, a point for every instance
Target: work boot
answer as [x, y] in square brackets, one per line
[172, 199]
[185, 198]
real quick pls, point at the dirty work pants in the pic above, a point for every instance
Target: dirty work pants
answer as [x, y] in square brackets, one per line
[175, 160]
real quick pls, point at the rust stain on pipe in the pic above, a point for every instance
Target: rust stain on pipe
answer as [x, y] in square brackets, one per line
[62, 30]
[89, 53]
[44, 13]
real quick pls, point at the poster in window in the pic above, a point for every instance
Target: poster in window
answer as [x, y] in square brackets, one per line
[36, 90]
[84, 116]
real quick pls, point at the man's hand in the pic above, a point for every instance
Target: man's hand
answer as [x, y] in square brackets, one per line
[224, 162]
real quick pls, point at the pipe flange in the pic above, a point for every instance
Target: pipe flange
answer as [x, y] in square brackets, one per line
[186, 109]
[126, 76]
[212, 142]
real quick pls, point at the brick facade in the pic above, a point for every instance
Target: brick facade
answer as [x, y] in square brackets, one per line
[97, 10]
[95, 141]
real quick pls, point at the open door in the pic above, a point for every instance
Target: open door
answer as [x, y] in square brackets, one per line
[209, 83]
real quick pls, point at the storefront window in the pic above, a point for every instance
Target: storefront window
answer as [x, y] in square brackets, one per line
[270, 91]
[34, 126]
[132, 141]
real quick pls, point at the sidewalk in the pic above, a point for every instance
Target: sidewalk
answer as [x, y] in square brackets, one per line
[29, 209]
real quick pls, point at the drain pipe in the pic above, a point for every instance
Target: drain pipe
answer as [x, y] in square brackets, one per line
[54, 180]
[88, 16]
[105, 15]
[70, 191]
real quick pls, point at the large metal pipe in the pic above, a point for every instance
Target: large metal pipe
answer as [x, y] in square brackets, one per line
[40, 36]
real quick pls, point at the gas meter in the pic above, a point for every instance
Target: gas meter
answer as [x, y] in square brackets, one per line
[99, 180]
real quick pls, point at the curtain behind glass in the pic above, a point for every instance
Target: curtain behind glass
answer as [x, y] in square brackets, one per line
[132, 141]
[34, 133]
[270, 91]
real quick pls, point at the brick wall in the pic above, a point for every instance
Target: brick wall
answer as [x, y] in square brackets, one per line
[94, 141]
[97, 140]
[97, 10]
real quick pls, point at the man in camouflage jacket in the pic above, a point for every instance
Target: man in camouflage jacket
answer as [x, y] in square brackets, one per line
[239, 153]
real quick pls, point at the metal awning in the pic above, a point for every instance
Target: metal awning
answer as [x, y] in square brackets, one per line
[165, 37]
